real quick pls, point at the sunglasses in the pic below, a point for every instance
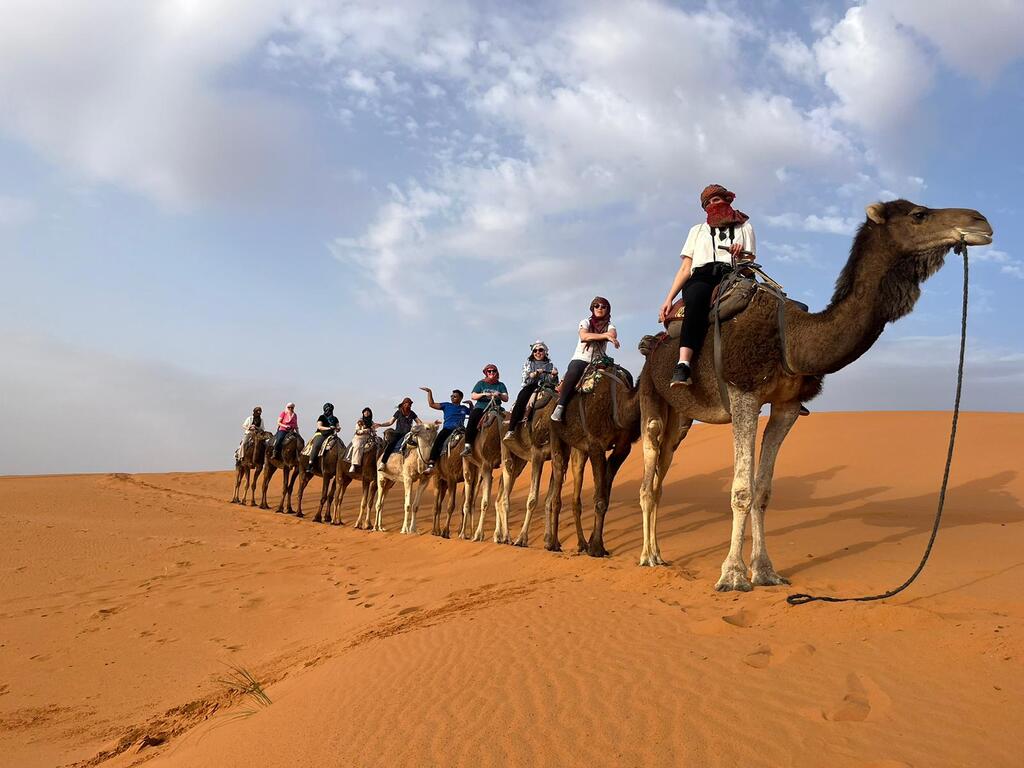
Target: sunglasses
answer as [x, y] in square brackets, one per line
[490, 370]
[538, 349]
[599, 306]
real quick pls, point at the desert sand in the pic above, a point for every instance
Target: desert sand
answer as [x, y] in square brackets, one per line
[124, 598]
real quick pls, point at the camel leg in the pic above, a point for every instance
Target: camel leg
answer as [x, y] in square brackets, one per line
[438, 504]
[553, 500]
[326, 498]
[303, 480]
[471, 480]
[599, 466]
[536, 468]
[252, 486]
[421, 484]
[653, 435]
[406, 503]
[452, 498]
[485, 482]
[268, 473]
[783, 417]
[239, 471]
[383, 486]
[248, 483]
[745, 408]
[341, 484]
[290, 477]
[511, 469]
[578, 466]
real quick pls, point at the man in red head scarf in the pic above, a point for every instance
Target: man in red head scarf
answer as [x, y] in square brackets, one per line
[712, 249]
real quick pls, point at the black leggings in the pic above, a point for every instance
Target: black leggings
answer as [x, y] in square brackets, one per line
[396, 438]
[435, 449]
[697, 299]
[474, 424]
[521, 400]
[318, 440]
[573, 374]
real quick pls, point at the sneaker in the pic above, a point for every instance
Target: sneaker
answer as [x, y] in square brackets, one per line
[804, 411]
[680, 375]
[429, 469]
[467, 449]
[353, 467]
[556, 415]
[509, 435]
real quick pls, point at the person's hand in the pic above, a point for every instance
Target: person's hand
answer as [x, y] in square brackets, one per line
[614, 341]
[736, 249]
[665, 310]
[425, 389]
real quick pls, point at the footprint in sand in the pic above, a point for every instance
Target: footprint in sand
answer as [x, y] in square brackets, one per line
[742, 618]
[855, 706]
[760, 658]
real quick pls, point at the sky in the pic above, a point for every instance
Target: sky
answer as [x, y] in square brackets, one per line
[205, 206]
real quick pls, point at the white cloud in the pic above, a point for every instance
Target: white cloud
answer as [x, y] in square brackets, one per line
[15, 211]
[831, 224]
[134, 94]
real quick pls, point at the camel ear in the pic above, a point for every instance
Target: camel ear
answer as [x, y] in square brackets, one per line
[876, 212]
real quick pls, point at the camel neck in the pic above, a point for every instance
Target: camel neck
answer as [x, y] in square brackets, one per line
[826, 341]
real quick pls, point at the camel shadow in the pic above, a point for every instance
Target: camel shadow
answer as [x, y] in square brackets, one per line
[706, 497]
[992, 502]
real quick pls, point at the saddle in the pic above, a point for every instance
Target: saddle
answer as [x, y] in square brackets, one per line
[377, 442]
[541, 397]
[732, 296]
[600, 368]
[454, 442]
[490, 416]
[325, 446]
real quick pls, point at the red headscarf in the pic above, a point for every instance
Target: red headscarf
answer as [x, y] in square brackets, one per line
[595, 324]
[721, 214]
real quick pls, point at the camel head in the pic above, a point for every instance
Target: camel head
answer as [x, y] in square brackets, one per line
[904, 244]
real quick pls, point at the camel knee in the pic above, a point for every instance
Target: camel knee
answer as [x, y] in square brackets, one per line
[653, 430]
[741, 498]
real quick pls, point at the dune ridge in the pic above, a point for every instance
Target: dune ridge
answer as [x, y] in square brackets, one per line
[124, 597]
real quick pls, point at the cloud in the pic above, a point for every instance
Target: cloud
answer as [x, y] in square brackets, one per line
[141, 95]
[831, 224]
[124, 415]
[15, 211]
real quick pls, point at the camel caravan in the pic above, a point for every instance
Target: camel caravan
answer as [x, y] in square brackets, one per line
[732, 342]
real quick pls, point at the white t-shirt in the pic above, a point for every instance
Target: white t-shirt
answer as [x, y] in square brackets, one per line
[698, 245]
[596, 348]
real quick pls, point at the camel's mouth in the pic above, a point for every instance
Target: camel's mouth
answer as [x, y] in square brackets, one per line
[975, 236]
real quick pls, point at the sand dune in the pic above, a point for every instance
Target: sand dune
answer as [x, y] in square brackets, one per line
[124, 598]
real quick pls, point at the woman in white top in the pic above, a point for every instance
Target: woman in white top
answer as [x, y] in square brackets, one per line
[595, 333]
[711, 250]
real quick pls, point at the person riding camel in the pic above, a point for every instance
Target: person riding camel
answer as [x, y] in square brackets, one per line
[711, 251]
[595, 332]
[253, 425]
[365, 433]
[455, 414]
[713, 248]
[485, 392]
[403, 420]
[326, 425]
[538, 370]
[287, 422]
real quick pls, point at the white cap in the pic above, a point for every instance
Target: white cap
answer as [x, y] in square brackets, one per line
[290, 405]
[539, 343]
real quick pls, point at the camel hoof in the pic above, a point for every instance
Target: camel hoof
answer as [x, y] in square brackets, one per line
[598, 551]
[734, 581]
[317, 519]
[445, 534]
[553, 546]
[337, 521]
[234, 501]
[520, 542]
[768, 578]
[297, 514]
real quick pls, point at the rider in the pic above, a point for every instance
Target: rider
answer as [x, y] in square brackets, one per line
[595, 333]
[326, 425]
[538, 370]
[711, 250]
[252, 425]
[287, 422]
[403, 420]
[455, 413]
[485, 391]
[365, 433]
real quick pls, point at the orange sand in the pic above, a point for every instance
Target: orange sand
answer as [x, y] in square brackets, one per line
[122, 598]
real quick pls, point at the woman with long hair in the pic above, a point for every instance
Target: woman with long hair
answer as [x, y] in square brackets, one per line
[595, 333]
[538, 370]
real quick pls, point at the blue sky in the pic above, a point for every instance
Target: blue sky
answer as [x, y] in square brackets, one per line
[205, 206]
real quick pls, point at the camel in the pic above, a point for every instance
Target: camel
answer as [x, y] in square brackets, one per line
[478, 471]
[530, 444]
[254, 446]
[291, 451]
[328, 471]
[897, 248]
[409, 466]
[366, 474]
[606, 419]
[447, 476]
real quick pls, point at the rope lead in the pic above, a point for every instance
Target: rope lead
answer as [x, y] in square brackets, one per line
[802, 599]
